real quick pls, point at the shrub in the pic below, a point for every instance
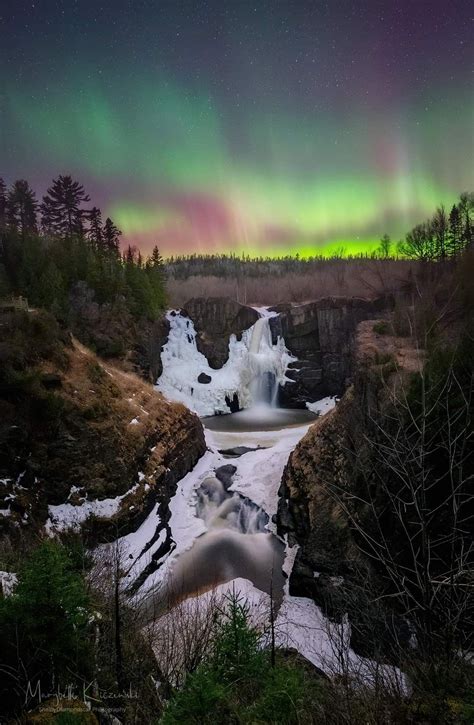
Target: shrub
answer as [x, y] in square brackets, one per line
[381, 327]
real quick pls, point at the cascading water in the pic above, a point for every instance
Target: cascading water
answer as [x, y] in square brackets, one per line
[263, 365]
[220, 508]
[251, 376]
[236, 544]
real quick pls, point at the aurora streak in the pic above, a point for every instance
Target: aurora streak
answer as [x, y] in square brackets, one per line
[199, 155]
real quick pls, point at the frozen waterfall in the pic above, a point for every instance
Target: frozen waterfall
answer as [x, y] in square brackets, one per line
[252, 374]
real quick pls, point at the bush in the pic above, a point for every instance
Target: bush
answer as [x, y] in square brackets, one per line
[44, 625]
[381, 327]
[237, 683]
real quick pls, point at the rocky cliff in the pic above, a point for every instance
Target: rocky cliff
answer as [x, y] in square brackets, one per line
[320, 335]
[215, 320]
[75, 429]
[330, 459]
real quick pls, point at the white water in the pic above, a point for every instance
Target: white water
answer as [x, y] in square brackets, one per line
[255, 368]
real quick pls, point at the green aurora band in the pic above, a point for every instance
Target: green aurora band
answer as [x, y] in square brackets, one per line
[171, 166]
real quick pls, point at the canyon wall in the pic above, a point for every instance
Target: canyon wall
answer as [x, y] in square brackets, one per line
[320, 335]
[331, 458]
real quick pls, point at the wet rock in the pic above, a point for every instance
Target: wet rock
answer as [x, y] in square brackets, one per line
[225, 474]
[321, 336]
[204, 379]
[215, 320]
[233, 403]
[238, 451]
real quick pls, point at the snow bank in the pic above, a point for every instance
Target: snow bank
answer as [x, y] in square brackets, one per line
[322, 406]
[68, 516]
[249, 359]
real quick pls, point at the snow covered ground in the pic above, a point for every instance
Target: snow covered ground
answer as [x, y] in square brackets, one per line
[322, 406]
[300, 623]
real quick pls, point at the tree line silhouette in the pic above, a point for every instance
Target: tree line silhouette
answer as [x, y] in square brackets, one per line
[47, 248]
[441, 237]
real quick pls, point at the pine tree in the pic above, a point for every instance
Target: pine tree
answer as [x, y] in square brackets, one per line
[385, 246]
[21, 208]
[94, 233]
[129, 256]
[61, 208]
[155, 260]
[111, 236]
[466, 210]
[454, 231]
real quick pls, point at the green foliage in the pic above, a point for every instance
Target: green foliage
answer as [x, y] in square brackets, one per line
[381, 327]
[202, 700]
[237, 684]
[95, 372]
[43, 625]
[74, 248]
[285, 696]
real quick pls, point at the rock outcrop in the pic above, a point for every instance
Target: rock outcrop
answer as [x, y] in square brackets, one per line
[329, 459]
[77, 429]
[215, 320]
[320, 335]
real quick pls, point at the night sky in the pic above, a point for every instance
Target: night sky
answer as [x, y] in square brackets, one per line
[270, 127]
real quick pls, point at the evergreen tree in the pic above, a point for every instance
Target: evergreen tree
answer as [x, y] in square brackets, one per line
[43, 625]
[466, 209]
[61, 208]
[455, 231]
[129, 256]
[51, 287]
[385, 246]
[111, 236]
[94, 233]
[21, 208]
[155, 260]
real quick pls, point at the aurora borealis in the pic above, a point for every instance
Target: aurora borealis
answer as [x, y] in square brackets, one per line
[263, 127]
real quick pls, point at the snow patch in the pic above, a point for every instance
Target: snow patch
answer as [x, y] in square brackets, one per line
[322, 406]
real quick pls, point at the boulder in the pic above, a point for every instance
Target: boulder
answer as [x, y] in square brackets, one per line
[204, 379]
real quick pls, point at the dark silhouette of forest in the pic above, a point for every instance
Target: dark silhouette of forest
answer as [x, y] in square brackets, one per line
[47, 248]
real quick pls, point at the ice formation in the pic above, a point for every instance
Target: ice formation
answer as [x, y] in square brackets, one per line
[252, 374]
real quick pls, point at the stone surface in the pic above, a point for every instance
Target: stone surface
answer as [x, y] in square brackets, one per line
[204, 379]
[320, 335]
[329, 458]
[84, 445]
[215, 320]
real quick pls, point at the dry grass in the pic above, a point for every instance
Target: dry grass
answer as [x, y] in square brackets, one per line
[129, 426]
[352, 278]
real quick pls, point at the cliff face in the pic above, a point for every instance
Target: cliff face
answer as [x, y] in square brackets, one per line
[215, 320]
[321, 335]
[328, 459]
[76, 429]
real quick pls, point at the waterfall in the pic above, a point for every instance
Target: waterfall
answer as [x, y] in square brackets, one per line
[220, 509]
[251, 376]
[264, 384]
